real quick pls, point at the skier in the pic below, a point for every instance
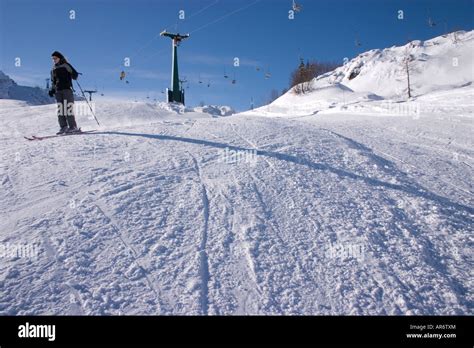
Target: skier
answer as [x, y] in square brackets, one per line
[62, 75]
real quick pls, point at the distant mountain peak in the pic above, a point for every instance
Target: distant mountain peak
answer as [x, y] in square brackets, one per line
[9, 89]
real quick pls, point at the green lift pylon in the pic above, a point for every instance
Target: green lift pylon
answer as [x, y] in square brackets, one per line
[176, 94]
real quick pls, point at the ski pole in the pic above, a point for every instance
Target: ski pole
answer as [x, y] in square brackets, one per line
[87, 103]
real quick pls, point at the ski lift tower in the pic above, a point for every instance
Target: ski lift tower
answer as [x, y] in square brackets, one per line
[175, 94]
[90, 92]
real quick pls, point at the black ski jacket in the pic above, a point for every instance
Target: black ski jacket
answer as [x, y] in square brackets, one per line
[62, 75]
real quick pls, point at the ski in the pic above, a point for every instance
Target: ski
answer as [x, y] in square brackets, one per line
[35, 137]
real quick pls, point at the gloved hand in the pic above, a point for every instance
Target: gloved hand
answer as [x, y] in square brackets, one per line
[51, 92]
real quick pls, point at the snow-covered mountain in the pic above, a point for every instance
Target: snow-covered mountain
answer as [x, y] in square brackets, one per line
[442, 64]
[214, 110]
[9, 89]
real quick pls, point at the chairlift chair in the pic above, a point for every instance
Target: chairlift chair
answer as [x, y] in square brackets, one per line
[296, 7]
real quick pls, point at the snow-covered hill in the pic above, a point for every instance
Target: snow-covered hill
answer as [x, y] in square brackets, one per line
[215, 110]
[212, 110]
[444, 63]
[32, 95]
[168, 210]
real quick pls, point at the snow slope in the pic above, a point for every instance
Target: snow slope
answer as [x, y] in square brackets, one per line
[168, 210]
[440, 64]
[337, 214]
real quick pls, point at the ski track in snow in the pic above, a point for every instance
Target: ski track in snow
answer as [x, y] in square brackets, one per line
[150, 219]
[204, 263]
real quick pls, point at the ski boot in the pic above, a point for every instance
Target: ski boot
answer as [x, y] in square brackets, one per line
[72, 130]
[62, 130]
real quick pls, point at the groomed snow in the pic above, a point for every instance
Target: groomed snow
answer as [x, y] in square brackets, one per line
[162, 212]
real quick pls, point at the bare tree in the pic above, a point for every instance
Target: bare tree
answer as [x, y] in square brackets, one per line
[302, 77]
[455, 37]
[274, 95]
[406, 61]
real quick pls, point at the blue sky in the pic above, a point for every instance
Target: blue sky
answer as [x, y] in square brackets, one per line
[258, 32]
